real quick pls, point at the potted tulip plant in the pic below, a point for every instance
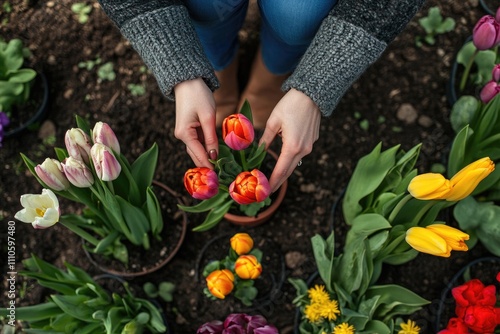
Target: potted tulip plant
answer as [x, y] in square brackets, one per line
[121, 207]
[237, 181]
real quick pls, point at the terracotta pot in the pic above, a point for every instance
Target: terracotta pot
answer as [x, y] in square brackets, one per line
[265, 214]
[176, 217]
[39, 113]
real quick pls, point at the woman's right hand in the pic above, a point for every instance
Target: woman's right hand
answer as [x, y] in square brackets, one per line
[195, 120]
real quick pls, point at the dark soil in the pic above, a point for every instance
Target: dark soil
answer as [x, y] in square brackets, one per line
[405, 78]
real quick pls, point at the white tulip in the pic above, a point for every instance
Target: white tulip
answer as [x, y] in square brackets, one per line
[41, 211]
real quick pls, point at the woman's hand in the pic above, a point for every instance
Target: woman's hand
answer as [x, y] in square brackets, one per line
[195, 120]
[296, 118]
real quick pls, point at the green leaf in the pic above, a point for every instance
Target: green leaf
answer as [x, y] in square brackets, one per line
[150, 290]
[214, 217]
[299, 285]
[136, 220]
[154, 212]
[366, 224]
[83, 125]
[246, 110]
[324, 256]
[463, 111]
[106, 242]
[34, 313]
[12, 56]
[143, 170]
[457, 152]
[22, 76]
[74, 306]
[207, 204]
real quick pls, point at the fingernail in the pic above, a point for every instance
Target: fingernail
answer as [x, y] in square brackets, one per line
[212, 154]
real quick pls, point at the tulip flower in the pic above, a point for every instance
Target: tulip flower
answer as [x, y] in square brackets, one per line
[481, 319]
[453, 237]
[250, 187]
[220, 283]
[241, 243]
[247, 267]
[437, 239]
[106, 165]
[426, 241]
[212, 327]
[489, 91]
[434, 186]
[52, 174]
[77, 173]
[495, 73]
[78, 144]
[103, 134]
[41, 211]
[237, 132]
[455, 326]
[486, 33]
[201, 182]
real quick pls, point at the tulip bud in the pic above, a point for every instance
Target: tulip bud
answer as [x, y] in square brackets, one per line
[201, 182]
[489, 91]
[466, 180]
[497, 15]
[481, 319]
[256, 322]
[106, 165]
[250, 187]
[41, 211]
[429, 186]
[52, 174]
[238, 319]
[495, 73]
[78, 144]
[212, 327]
[453, 237]
[77, 173]
[247, 267]
[237, 132]
[426, 241]
[486, 33]
[241, 243]
[220, 283]
[267, 329]
[103, 134]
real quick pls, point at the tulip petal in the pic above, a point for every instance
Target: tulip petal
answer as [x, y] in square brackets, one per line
[426, 241]
[429, 186]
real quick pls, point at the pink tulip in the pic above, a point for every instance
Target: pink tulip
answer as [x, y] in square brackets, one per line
[52, 174]
[237, 131]
[78, 144]
[103, 134]
[250, 187]
[77, 173]
[486, 33]
[212, 327]
[489, 91]
[495, 73]
[106, 165]
[201, 182]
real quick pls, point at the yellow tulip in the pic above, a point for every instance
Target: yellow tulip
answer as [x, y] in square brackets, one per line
[453, 237]
[220, 283]
[429, 186]
[435, 186]
[242, 243]
[467, 179]
[426, 241]
[247, 267]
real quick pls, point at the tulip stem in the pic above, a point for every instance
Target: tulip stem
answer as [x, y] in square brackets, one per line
[243, 160]
[79, 231]
[467, 70]
[110, 186]
[423, 211]
[488, 141]
[398, 207]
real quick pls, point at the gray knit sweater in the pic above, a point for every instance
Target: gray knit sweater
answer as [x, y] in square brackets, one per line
[350, 38]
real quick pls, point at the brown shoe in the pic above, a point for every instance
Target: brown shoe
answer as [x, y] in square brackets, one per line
[227, 96]
[263, 91]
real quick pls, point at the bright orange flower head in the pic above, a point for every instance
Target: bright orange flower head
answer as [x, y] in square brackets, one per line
[220, 283]
[241, 243]
[201, 182]
[250, 187]
[237, 131]
[247, 267]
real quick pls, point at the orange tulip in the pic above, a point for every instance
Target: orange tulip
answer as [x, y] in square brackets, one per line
[241, 243]
[220, 283]
[247, 267]
[250, 187]
[201, 182]
[237, 131]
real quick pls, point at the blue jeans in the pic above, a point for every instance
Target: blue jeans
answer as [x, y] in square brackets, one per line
[287, 29]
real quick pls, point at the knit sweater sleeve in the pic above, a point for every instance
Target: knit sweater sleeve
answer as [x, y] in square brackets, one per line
[349, 40]
[162, 33]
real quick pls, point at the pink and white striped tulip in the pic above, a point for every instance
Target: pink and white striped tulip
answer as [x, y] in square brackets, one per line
[106, 165]
[103, 134]
[51, 173]
[78, 173]
[78, 144]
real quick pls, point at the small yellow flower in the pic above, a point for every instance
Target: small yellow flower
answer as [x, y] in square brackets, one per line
[410, 327]
[312, 312]
[343, 328]
[330, 310]
[318, 294]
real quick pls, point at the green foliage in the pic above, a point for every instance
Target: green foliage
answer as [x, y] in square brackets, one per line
[434, 24]
[164, 290]
[463, 112]
[82, 11]
[89, 64]
[80, 303]
[106, 72]
[136, 90]
[478, 64]
[15, 81]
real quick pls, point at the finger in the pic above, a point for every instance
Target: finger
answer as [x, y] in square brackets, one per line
[198, 154]
[285, 166]
[267, 137]
[210, 137]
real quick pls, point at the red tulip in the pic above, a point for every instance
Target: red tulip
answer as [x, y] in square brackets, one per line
[250, 187]
[455, 326]
[201, 182]
[237, 131]
[481, 319]
[486, 33]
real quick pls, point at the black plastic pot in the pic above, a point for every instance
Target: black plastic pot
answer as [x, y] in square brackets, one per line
[40, 113]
